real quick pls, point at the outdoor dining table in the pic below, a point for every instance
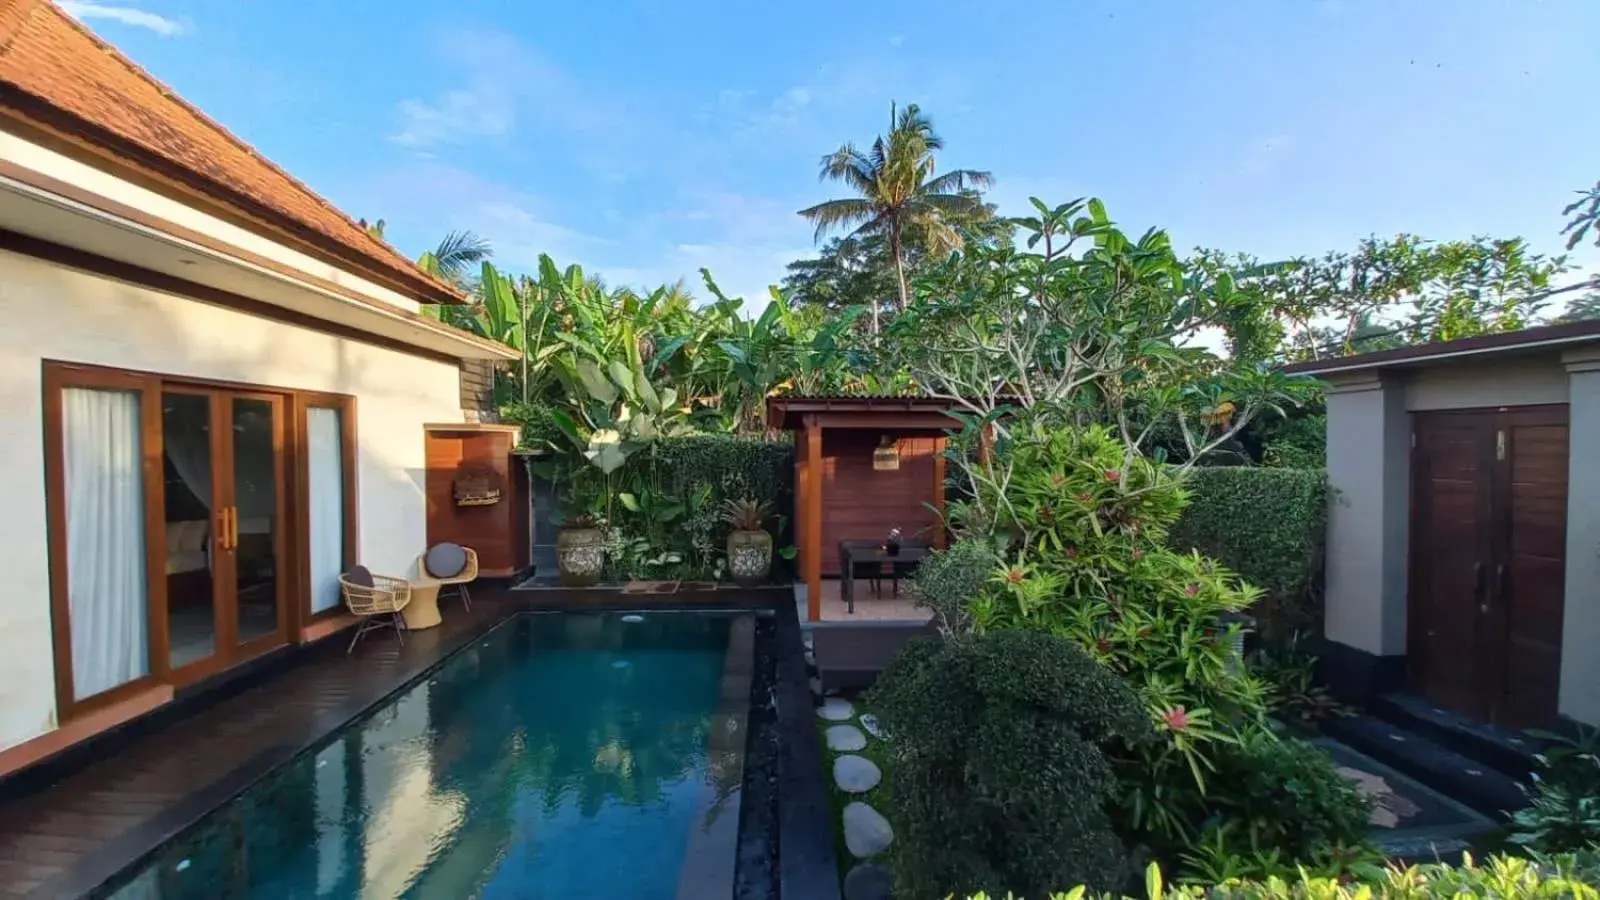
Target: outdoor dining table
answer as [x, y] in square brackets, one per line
[873, 554]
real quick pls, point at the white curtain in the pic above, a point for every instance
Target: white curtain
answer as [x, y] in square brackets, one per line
[188, 446]
[105, 539]
[324, 440]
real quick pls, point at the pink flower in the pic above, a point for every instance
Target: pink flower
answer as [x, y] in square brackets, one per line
[1015, 575]
[1177, 718]
[1085, 497]
[1113, 475]
[1192, 589]
[1072, 552]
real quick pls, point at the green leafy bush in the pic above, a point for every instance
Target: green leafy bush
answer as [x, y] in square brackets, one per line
[947, 582]
[1274, 804]
[1564, 814]
[1085, 523]
[1507, 877]
[1268, 525]
[1299, 442]
[998, 780]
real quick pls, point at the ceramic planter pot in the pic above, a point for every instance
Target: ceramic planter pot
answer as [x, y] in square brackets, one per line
[749, 557]
[580, 556]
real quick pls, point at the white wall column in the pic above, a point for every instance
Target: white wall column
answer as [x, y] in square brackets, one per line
[1580, 627]
[1369, 473]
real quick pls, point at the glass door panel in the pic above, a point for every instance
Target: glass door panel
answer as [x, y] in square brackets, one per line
[196, 526]
[255, 527]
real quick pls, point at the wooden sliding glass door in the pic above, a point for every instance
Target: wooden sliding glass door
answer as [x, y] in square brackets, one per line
[177, 525]
[225, 511]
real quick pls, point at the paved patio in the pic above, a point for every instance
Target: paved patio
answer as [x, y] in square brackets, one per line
[870, 607]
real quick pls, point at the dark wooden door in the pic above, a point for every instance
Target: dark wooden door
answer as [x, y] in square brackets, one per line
[1488, 537]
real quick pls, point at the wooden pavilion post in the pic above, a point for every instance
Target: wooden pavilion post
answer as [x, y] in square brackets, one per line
[939, 532]
[810, 513]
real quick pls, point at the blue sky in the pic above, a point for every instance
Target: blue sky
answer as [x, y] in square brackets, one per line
[645, 140]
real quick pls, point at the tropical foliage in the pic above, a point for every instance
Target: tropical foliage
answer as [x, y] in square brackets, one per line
[1571, 876]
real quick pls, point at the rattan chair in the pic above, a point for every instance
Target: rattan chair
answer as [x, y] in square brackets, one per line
[377, 599]
[459, 581]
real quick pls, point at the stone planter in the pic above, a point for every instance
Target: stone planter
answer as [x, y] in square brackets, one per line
[749, 557]
[580, 556]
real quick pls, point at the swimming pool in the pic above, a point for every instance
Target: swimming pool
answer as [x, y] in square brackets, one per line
[561, 755]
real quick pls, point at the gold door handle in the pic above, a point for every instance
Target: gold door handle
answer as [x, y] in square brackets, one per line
[222, 528]
[233, 528]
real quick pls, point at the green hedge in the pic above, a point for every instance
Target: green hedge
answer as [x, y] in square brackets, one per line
[734, 467]
[1268, 525]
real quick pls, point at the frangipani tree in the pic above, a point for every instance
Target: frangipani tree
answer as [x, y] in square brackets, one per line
[1080, 324]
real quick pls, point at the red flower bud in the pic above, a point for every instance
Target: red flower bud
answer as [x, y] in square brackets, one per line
[1113, 475]
[1177, 718]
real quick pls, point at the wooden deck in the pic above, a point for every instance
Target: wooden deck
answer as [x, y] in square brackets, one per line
[67, 838]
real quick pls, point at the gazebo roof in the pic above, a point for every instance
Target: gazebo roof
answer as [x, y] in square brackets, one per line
[856, 411]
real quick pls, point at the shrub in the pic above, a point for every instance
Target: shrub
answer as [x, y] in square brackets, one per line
[1268, 525]
[998, 780]
[1274, 804]
[1500, 876]
[1300, 442]
[947, 582]
[1564, 814]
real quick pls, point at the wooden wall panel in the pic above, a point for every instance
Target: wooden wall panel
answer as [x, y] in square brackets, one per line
[862, 503]
[499, 532]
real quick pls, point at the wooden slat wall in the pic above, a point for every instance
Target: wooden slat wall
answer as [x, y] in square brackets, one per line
[861, 503]
[499, 532]
[477, 390]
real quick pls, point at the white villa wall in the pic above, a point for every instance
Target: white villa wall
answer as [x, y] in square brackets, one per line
[50, 312]
[20, 151]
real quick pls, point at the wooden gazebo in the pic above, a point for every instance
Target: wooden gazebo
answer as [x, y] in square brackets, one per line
[863, 465]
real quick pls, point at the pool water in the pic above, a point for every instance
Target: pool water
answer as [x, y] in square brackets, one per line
[560, 756]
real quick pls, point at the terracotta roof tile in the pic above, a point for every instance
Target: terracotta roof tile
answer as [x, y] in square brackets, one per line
[109, 101]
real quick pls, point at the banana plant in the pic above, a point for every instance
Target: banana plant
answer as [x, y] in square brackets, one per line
[619, 412]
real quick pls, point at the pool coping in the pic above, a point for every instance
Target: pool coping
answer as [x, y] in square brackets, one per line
[805, 853]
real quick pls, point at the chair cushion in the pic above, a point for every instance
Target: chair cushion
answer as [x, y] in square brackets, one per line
[445, 560]
[360, 576]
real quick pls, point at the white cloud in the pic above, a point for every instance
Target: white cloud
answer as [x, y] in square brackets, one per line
[456, 117]
[127, 15]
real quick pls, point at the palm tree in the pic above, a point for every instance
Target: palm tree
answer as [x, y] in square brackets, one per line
[455, 253]
[899, 194]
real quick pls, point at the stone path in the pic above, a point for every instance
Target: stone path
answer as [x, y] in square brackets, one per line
[867, 834]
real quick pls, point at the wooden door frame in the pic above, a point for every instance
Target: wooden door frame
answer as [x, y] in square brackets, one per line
[301, 404]
[287, 569]
[291, 470]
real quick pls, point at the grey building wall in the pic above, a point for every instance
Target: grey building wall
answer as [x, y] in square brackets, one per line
[1369, 469]
[1580, 638]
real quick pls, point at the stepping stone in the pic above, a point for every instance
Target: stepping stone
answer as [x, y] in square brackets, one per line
[856, 774]
[836, 709]
[868, 881]
[845, 737]
[866, 832]
[872, 725]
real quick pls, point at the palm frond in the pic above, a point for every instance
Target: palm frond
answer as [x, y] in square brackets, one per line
[960, 180]
[458, 250]
[845, 213]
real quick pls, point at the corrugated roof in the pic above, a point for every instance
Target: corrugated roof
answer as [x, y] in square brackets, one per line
[57, 75]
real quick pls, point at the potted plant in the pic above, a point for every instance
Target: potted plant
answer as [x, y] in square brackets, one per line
[891, 543]
[749, 544]
[580, 550]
